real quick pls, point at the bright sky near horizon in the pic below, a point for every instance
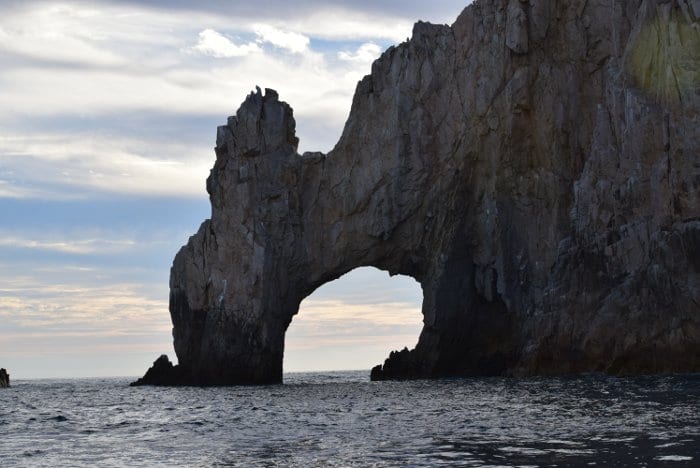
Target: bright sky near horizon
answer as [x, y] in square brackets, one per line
[109, 115]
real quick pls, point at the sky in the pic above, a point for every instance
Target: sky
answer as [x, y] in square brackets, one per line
[108, 116]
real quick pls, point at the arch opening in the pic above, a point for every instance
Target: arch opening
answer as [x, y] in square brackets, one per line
[354, 322]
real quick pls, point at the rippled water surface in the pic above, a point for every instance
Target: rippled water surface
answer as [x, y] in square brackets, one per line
[342, 419]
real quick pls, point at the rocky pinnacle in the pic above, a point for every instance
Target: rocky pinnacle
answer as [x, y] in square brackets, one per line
[535, 167]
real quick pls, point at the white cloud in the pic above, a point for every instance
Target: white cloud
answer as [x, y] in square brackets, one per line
[72, 246]
[319, 90]
[52, 162]
[131, 60]
[336, 311]
[339, 24]
[71, 300]
[37, 318]
[289, 40]
[137, 63]
[63, 34]
[315, 87]
[217, 45]
[366, 53]
[9, 190]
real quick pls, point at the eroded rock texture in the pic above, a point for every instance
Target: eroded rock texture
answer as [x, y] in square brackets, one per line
[536, 167]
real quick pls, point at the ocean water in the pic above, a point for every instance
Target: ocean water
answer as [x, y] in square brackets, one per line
[342, 419]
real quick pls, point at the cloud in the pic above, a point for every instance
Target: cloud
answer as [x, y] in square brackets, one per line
[53, 163]
[368, 287]
[8, 189]
[72, 307]
[68, 329]
[132, 159]
[378, 11]
[58, 34]
[291, 41]
[366, 53]
[343, 25]
[332, 312]
[69, 296]
[216, 45]
[71, 246]
[133, 59]
[94, 67]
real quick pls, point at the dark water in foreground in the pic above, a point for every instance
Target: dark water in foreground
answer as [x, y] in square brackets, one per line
[342, 419]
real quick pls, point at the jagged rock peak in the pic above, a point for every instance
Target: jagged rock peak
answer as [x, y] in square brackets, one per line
[535, 167]
[262, 125]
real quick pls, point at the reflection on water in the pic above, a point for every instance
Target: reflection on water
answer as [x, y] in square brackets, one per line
[342, 419]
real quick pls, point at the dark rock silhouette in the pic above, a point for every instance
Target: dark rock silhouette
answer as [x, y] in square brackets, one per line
[536, 167]
[399, 366]
[4, 379]
[161, 373]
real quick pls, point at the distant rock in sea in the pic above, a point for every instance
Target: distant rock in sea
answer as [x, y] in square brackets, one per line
[535, 167]
[4, 379]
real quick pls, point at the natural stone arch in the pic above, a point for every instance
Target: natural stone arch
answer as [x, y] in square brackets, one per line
[548, 206]
[292, 223]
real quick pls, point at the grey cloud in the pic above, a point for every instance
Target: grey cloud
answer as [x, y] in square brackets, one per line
[436, 10]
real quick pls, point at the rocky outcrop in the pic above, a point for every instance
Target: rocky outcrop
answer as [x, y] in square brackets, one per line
[535, 166]
[4, 379]
[162, 372]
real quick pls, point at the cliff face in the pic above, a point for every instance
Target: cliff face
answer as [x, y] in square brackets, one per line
[536, 167]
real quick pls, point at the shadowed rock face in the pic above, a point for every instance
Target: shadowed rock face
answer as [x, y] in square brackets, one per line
[4, 379]
[162, 373]
[536, 167]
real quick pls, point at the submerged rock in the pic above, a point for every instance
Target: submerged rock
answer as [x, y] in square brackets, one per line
[4, 379]
[535, 166]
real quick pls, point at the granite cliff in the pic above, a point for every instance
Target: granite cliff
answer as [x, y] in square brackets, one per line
[535, 167]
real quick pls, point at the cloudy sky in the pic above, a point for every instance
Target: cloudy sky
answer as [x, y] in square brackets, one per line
[108, 119]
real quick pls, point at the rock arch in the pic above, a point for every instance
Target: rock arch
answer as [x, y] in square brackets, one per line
[548, 205]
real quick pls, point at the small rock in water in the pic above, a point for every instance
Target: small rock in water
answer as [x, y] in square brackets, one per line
[4, 379]
[161, 373]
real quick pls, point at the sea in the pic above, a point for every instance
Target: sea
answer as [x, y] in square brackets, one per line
[328, 419]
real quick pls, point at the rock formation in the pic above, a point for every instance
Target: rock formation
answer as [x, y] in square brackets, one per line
[162, 372]
[535, 167]
[4, 379]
